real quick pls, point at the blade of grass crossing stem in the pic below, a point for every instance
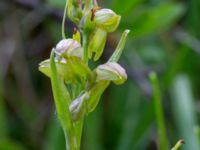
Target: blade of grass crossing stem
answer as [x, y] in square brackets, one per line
[159, 112]
[183, 111]
[61, 98]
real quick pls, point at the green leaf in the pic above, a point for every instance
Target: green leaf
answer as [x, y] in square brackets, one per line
[119, 6]
[183, 107]
[120, 47]
[95, 94]
[159, 111]
[10, 145]
[148, 21]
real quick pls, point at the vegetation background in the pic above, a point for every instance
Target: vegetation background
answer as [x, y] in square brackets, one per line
[165, 38]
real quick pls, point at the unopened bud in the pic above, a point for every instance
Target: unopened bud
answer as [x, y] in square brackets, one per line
[74, 10]
[78, 107]
[69, 47]
[107, 19]
[111, 71]
[97, 44]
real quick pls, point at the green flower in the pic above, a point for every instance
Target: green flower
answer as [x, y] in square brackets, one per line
[69, 47]
[106, 19]
[111, 71]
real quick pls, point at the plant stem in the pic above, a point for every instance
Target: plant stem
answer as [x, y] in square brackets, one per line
[85, 46]
[63, 21]
[159, 112]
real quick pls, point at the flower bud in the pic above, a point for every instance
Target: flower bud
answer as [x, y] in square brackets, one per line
[74, 10]
[106, 19]
[78, 108]
[111, 71]
[97, 44]
[69, 47]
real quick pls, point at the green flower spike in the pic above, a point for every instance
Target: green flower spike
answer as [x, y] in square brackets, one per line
[76, 89]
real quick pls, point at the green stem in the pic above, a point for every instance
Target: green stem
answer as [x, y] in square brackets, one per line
[63, 21]
[85, 46]
[159, 112]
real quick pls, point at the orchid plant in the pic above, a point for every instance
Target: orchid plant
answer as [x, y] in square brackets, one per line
[77, 88]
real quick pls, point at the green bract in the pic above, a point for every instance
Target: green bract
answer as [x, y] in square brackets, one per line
[77, 88]
[97, 43]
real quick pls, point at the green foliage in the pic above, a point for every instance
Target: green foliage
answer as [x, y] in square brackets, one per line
[147, 20]
[184, 114]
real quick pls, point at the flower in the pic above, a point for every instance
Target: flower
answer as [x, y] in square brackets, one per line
[69, 47]
[106, 19]
[111, 71]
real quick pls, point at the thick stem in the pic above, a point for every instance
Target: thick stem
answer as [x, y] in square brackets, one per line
[85, 46]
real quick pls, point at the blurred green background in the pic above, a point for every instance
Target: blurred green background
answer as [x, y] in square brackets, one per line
[165, 38]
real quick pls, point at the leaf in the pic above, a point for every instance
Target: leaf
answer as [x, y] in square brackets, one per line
[62, 101]
[95, 94]
[183, 107]
[120, 47]
[148, 21]
[10, 145]
[119, 6]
